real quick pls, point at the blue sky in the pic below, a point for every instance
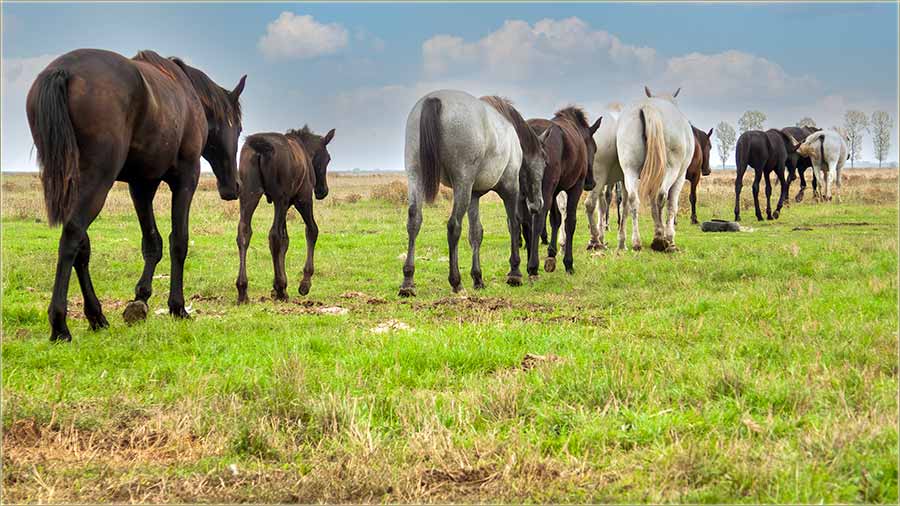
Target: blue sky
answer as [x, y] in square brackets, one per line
[359, 68]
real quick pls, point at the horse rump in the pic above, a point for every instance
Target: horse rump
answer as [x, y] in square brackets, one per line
[55, 141]
[429, 146]
[264, 152]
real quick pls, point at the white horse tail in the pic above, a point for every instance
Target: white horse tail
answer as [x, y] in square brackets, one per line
[654, 169]
[430, 146]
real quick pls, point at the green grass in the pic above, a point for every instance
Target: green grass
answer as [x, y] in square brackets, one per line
[748, 367]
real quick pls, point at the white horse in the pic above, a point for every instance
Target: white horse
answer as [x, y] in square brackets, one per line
[655, 144]
[828, 153]
[607, 173]
[473, 146]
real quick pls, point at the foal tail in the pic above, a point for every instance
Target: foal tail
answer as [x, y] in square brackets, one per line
[264, 151]
[654, 169]
[57, 147]
[429, 146]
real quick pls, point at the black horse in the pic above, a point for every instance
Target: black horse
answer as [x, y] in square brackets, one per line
[766, 152]
[797, 164]
[97, 117]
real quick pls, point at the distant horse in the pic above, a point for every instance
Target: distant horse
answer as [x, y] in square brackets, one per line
[796, 164]
[655, 144]
[474, 146]
[699, 165]
[766, 152]
[828, 153]
[570, 151]
[288, 169]
[97, 117]
[607, 175]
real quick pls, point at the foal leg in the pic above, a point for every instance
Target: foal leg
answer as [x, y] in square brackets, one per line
[248, 203]
[413, 224]
[462, 195]
[799, 197]
[694, 184]
[510, 199]
[312, 234]
[142, 195]
[783, 195]
[476, 233]
[756, 178]
[183, 188]
[278, 245]
[574, 196]
[768, 196]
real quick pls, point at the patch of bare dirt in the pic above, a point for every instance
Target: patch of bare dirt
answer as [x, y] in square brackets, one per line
[360, 296]
[531, 360]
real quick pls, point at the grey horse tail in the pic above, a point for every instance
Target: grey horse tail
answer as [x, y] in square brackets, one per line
[57, 146]
[430, 146]
[264, 151]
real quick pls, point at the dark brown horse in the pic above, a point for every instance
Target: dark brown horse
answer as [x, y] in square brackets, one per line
[97, 117]
[288, 169]
[797, 164]
[766, 152]
[570, 150]
[699, 166]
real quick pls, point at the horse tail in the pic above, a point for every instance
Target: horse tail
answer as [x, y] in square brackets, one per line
[430, 146]
[654, 169]
[264, 151]
[57, 146]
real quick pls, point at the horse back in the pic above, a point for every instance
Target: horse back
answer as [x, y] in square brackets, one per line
[276, 165]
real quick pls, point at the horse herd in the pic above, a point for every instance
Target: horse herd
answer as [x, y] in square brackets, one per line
[97, 117]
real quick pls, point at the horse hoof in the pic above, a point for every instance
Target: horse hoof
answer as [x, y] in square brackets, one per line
[532, 278]
[570, 270]
[98, 322]
[636, 247]
[550, 264]
[407, 291]
[280, 296]
[479, 285]
[776, 214]
[694, 221]
[798, 198]
[135, 311]
[242, 299]
[61, 337]
[514, 280]
[659, 244]
[671, 248]
[304, 287]
[456, 288]
[180, 313]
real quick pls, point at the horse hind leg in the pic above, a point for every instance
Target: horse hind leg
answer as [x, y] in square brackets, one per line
[574, 196]
[413, 225]
[312, 234]
[555, 222]
[249, 200]
[660, 239]
[768, 182]
[596, 220]
[462, 195]
[278, 245]
[671, 212]
[757, 176]
[510, 199]
[476, 233]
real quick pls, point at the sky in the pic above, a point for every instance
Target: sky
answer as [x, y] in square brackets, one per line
[360, 68]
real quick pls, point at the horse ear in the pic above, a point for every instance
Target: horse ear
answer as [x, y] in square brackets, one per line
[596, 125]
[709, 134]
[236, 92]
[676, 93]
[328, 137]
[647, 91]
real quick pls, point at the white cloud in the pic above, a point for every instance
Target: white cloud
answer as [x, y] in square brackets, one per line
[519, 50]
[297, 37]
[733, 74]
[19, 73]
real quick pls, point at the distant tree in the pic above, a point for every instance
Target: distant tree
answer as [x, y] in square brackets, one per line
[882, 124]
[856, 123]
[725, 136]
[806, 121]
[751, 120]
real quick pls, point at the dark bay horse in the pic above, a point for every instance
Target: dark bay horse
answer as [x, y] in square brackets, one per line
[97, 117]
[288, 169]
[797, 164]
[699, 166]
[569, 142]
[766, 152]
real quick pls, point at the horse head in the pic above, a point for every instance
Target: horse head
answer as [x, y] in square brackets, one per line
[316, 146]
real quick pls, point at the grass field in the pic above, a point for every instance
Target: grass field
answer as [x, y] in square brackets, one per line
[758, 366]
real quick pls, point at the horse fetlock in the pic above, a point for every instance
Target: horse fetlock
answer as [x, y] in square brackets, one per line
[61, 335]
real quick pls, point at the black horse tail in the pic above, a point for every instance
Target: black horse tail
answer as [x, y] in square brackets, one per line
[264, 151]
[430, 146]
[57, 146]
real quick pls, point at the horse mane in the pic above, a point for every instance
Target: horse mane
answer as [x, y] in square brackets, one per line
[574, 114]
[216, 100]
[527, 138]
[304, 134]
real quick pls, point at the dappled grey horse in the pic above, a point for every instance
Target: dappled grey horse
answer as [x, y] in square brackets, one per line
[474, 146]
